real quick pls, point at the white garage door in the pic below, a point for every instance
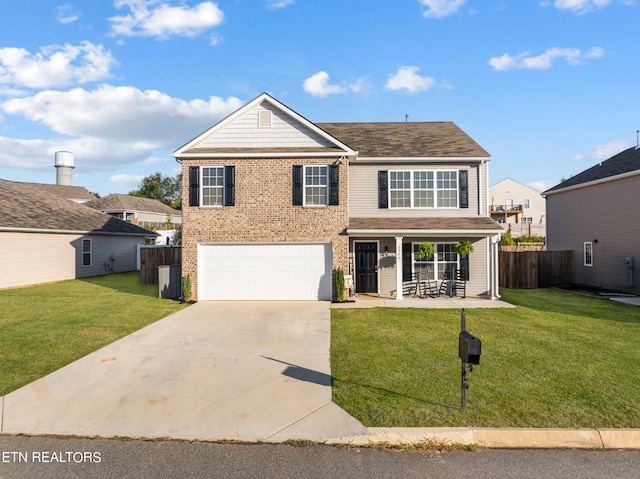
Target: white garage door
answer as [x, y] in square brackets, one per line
[264, 271]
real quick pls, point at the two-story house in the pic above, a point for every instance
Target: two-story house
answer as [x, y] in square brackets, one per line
[519, 208]
[273, 204]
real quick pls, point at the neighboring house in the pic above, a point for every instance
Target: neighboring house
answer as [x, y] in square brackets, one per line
[79, 194]
[518, 208]
[274, 204]
[144, 212]
[46, 237]
[594, 214]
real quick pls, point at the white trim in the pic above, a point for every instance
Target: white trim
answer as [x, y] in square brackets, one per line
[202, 187]
[264, 97]
[411, 233]
[608, 179]
[434, 189]
[90, 253]
[421, 159]
[584, 254]
[305, 186]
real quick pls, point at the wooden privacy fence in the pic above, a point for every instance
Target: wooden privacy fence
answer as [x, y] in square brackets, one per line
[152, 257]
[534, 269]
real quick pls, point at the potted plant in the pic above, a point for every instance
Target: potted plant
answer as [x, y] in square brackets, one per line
[463, 248]
[425, 250]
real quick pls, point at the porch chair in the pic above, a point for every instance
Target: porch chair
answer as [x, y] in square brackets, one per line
[459, 283]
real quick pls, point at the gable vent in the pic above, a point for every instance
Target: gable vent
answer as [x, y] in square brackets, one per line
[264, 119]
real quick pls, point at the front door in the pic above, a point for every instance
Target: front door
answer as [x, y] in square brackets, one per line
[366, 267]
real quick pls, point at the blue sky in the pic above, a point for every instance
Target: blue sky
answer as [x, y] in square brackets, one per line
[547, 87]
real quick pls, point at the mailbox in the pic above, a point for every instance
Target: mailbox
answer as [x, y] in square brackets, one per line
[469, 348]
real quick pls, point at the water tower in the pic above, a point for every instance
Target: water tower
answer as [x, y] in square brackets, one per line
[64, 168]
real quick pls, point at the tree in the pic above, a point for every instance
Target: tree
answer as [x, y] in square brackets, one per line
[166, 189]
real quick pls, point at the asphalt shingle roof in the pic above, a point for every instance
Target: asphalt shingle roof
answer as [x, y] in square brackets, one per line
[479, 223]
[624, 162]
[65, 191]
[406, 139]
[118, 202]
[28, 206]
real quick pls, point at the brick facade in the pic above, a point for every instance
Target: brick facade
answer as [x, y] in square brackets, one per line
[263, 211]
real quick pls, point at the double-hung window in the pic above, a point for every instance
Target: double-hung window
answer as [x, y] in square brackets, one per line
[423, 189]
[444, 259]
[212, 186]
[400, 189]
[86, 252]
[316, 180]
[588, 253]
[447, 189]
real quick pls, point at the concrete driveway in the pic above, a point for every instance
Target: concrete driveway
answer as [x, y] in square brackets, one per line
[216, 370]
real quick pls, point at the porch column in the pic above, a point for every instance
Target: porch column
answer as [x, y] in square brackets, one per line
[494, 286]
[398, 268]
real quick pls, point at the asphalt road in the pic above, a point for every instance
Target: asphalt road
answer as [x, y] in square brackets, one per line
[44, 458]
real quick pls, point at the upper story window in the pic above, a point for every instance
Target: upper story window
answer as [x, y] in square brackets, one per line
[316, 180]
[423, 189]
[212, 186]
[526, 203]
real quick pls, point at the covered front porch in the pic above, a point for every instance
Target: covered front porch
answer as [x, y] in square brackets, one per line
[385, 262]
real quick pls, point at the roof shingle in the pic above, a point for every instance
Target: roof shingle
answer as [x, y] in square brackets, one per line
[406, 140]
[25, 205]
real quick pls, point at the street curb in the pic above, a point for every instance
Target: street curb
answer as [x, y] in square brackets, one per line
[498, 438]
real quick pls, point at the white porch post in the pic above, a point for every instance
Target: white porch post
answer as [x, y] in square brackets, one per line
[494, 267]
[398, 268]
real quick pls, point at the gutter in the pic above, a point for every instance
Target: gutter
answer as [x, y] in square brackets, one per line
[8, 229]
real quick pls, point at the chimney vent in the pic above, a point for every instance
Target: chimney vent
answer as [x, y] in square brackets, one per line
[64, 168]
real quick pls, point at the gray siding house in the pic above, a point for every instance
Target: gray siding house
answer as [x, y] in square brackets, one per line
[594, 214]
[273, 204]
[47, 237]
[145, 212]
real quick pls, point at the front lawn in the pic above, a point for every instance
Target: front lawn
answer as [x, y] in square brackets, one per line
[43, 328]
[557, 360]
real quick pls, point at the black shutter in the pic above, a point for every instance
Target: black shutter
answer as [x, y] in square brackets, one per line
[334, 185]
[297, 185]
[383, 189]
[407, 267]
[464, 188]
[229, 185]
[194, 183]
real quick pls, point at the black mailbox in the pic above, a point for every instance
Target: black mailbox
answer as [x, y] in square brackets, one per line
[469, 348]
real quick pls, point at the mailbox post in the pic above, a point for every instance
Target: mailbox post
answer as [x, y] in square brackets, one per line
[469, 350]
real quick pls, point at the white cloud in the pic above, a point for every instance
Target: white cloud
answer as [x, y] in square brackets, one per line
[129, 182]
[67, 14]
[156, 18]
[277, 4]
[109, 125]
[525, 61]
[318, 85]
[580, 6]
[542, 185]
[407, 78]
[607, 150]
[440, 8]
[55, 65]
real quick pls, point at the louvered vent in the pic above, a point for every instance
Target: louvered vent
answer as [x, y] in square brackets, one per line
[264, 119]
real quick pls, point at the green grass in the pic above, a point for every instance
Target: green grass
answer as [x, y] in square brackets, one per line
[43, 328]
[557, 360]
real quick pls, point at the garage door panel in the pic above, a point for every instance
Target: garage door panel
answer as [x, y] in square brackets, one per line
[264, 271]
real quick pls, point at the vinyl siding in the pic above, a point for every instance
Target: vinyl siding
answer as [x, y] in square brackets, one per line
[478, 263]
[606, 212]
[244, 131]
[123, 249]
[33, 258]
[363, 191]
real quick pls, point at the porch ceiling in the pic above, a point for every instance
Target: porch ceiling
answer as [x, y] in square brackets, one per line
[425, 226]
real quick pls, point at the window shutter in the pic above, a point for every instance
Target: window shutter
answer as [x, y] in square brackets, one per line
[334, 185]
[194, 183]
[229, 185]
[297, 185]
[464, 188]
[383, 189]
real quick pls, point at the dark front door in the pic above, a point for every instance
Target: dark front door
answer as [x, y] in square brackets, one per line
[366, 267]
